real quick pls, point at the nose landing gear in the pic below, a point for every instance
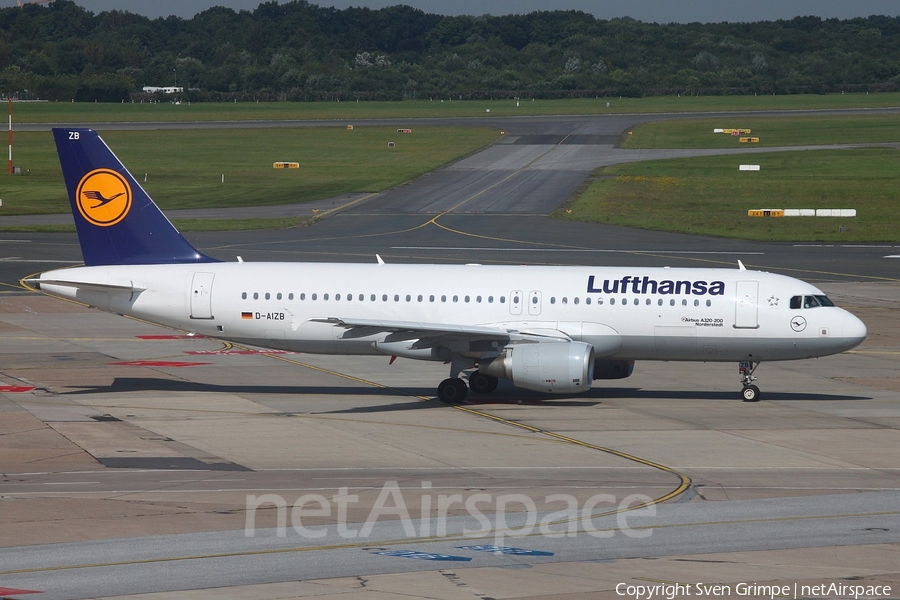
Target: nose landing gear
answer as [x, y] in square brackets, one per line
[749, 393]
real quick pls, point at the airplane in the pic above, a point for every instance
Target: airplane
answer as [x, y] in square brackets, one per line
[551, 329]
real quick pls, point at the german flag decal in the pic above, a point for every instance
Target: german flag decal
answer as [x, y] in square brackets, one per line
[246, 315]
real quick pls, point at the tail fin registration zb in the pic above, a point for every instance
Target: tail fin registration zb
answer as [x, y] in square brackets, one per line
[117, 222]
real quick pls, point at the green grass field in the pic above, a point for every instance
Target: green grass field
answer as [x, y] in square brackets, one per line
[69, 112]
[710, 196]
[771, 131]
[184, 168]
[702, 195]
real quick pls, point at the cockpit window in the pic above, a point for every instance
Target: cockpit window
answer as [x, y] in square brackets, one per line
[796, 302]
[812, 301]
[824, 301]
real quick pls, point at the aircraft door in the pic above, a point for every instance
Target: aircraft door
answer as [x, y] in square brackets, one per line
[515, 302]
[201, 296]
[746, 309]
[534, 302]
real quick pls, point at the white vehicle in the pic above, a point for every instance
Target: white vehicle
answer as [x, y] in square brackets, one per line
[550, 329]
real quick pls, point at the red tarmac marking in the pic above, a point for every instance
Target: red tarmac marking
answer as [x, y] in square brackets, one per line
[15, 388]
[171, 337]
[159, 363]
[14, 592]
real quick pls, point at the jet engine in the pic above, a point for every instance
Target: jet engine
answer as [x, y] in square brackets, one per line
[555, 367]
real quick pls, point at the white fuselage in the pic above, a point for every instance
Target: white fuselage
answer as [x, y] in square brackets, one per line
[623, 312]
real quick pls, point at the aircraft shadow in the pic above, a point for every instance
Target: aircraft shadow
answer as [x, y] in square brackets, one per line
[506, 395]
[767, 395]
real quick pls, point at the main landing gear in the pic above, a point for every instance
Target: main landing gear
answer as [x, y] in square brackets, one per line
[750, 393]
[454, 390]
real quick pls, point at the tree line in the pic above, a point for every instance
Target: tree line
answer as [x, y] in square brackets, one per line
[301, 51]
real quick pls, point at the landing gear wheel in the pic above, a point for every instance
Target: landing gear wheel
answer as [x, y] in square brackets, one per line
[481, 383]
[452, 391]
[750, 393]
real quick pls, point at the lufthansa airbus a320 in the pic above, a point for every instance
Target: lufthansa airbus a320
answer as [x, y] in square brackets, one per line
[550, 329]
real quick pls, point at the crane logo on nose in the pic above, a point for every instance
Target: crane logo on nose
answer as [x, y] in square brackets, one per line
[103, 197]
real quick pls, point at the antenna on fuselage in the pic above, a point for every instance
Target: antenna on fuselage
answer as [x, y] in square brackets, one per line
[380, 260]
[741, 266]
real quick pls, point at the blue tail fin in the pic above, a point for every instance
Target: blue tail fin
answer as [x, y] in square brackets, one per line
[117, 222]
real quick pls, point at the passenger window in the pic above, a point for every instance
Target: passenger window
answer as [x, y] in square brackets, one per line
[291, 296]
[349, 297]
[314, 297]
[443, 298]
[796, 302]
[244, 296]
[372, 298]
[587, 300]
[408, 297]
[502, 299]
[431, 298]
[696, 302]
[684, 302]
[478, 299]
[490, 299]
[256, 295]
[303, 296]
[325, 297]
[396, 297]
[515, 300]
[466, 298]
[648, 301]
[575, 300]
[384, 297]
[565, 300]
[362, 297]
[278, 296]
[456, 298]
[660, 302]
[599, 301]
[268, 295]
[637, 301]
[709, 302]
[419, 297]
[552, 299]
[672, 302]
[612, 301]
[336, 297]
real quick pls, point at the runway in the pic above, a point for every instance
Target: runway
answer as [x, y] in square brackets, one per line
[130, 467]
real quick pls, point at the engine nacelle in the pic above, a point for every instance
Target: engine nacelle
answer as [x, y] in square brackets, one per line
[613, 369]
[555, 367]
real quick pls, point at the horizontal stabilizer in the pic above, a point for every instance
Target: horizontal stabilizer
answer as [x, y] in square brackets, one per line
[86, 285]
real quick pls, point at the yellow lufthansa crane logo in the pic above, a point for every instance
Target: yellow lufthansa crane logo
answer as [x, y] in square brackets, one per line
[103, 197]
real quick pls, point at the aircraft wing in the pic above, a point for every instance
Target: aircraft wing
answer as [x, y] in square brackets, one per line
[419, 328]
[436, 334]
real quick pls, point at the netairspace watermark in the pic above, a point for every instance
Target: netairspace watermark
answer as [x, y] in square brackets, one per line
[674, 591]
[498, 516]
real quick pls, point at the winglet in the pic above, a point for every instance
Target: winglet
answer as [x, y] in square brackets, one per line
[117, 222]
[741, 266]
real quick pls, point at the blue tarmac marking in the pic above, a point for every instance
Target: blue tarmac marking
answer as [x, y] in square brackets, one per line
[506, 550]
[421, 555]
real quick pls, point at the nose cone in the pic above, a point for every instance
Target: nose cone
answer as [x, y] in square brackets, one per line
[853, 332]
